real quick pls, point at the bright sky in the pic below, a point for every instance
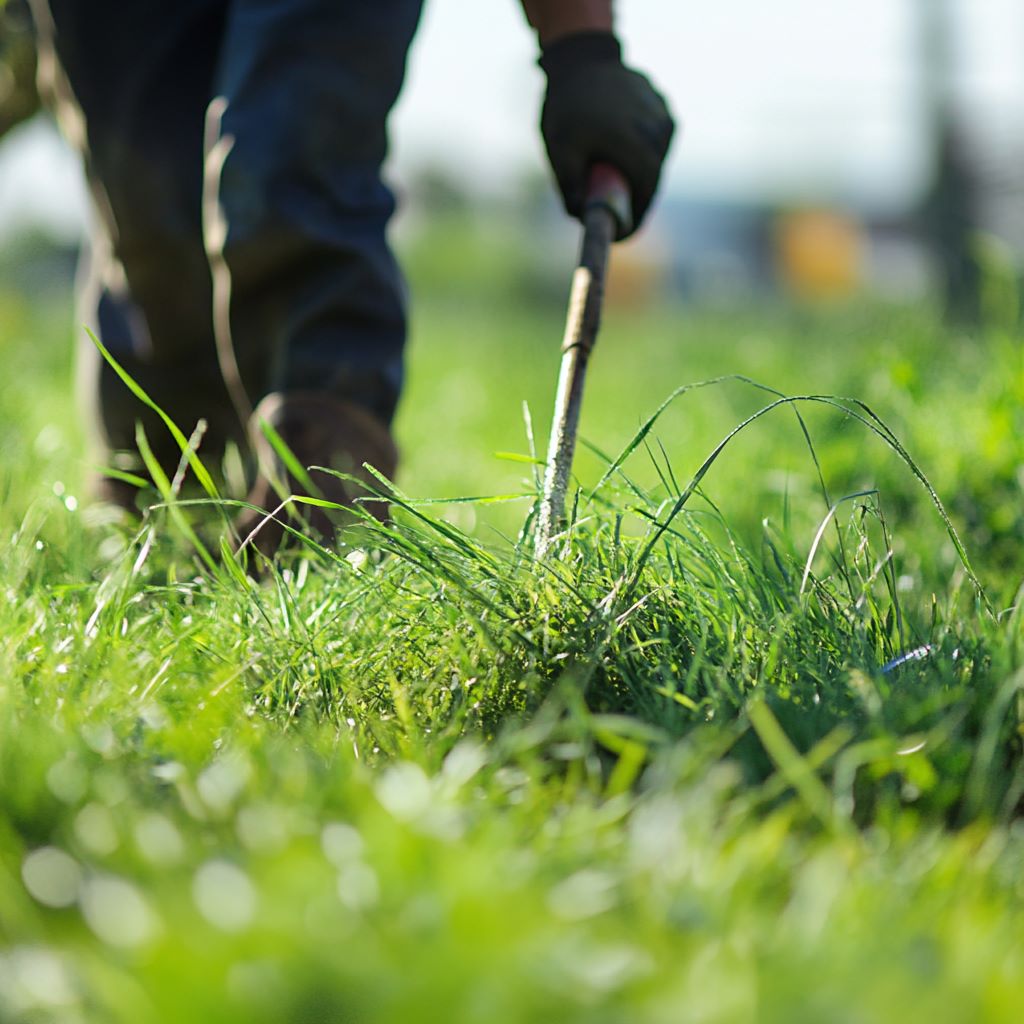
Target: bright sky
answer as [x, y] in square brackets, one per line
[777, 96]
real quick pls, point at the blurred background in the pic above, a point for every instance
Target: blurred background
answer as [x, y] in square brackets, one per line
[827, 149]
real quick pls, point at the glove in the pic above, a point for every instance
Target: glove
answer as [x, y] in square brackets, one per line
[597, 109]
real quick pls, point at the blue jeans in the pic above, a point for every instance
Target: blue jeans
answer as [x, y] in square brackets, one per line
[285, 103]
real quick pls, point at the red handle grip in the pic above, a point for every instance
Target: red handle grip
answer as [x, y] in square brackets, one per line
[609, 189]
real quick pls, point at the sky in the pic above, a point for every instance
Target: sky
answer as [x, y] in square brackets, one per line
[777, 98]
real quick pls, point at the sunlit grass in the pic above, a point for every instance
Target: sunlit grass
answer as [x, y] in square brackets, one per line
[661, 777]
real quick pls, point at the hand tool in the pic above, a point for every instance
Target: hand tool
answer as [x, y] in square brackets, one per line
[607, 214]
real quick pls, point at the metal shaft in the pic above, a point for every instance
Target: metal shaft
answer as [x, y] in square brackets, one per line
[603, 219]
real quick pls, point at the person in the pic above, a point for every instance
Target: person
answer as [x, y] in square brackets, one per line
[239, 270]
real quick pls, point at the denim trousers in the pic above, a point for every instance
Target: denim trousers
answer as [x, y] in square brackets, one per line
[233, 150]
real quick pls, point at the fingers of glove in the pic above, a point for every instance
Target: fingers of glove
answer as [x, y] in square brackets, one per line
[611, 113]
[634, 150]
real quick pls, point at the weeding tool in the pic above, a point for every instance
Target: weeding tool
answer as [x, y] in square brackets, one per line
[607, 214]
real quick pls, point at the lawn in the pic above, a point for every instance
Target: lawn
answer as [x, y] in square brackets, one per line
[682, 772]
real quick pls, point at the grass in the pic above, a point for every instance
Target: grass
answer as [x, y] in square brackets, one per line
[663, 778]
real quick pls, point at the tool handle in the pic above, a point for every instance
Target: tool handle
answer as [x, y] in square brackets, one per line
[608, 189]
[606, 216]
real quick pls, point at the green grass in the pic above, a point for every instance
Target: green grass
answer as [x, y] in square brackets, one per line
[662, 778]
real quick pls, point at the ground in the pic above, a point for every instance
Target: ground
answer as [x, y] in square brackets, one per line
[671, 775]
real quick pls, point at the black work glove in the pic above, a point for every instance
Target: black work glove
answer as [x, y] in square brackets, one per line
[597, 109]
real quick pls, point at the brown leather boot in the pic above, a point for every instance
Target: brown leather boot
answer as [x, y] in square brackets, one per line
[320, 430]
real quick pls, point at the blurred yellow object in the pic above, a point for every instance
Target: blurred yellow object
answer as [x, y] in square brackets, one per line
[819, 253]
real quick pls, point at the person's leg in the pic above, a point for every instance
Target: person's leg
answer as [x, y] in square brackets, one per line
[130, 83]
[297, 211]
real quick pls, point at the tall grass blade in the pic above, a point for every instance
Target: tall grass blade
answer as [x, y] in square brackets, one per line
[201, 472]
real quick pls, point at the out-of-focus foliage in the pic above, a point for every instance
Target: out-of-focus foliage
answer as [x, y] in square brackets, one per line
[18, 97]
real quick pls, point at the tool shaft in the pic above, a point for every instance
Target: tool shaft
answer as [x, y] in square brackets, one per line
[602, 220]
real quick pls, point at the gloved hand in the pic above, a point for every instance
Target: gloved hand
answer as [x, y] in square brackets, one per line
[597, 109]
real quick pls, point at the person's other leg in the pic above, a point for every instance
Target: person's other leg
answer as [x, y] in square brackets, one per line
[130, 84]
[297, 210]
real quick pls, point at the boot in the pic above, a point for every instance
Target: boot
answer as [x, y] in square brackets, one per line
[320, 430]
